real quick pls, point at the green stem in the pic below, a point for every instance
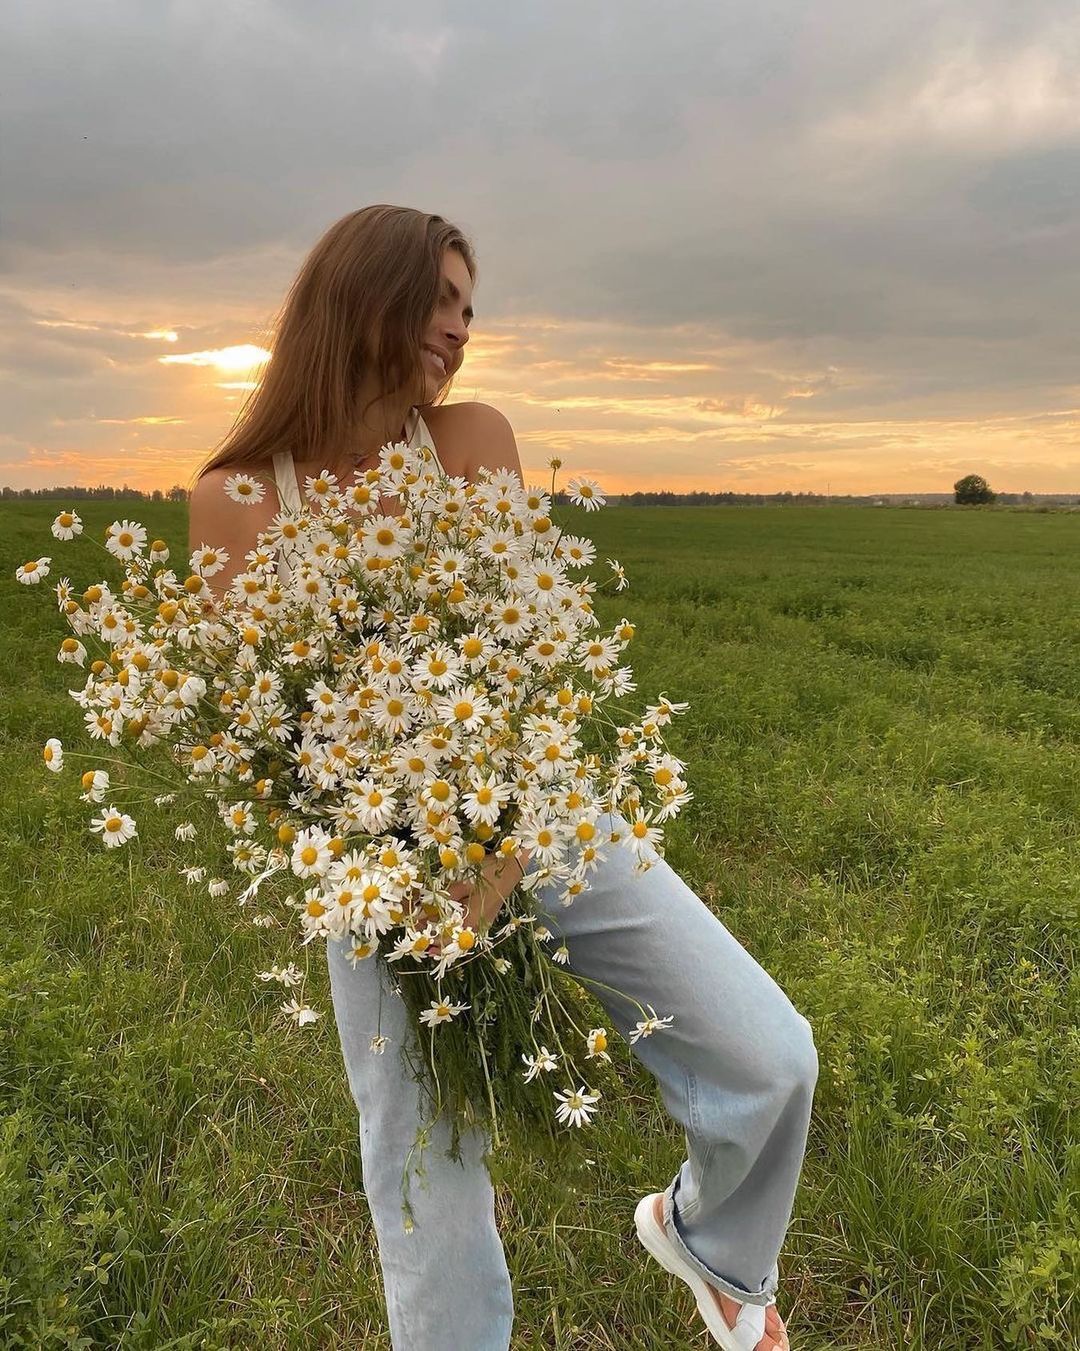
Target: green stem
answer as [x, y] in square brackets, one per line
[490, 1091]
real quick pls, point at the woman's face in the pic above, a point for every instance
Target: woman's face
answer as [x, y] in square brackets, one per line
[448, 330]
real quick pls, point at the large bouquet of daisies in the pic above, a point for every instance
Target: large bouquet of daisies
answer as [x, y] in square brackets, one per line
[424, 691]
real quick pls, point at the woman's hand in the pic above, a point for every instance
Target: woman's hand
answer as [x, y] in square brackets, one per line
[484, 899]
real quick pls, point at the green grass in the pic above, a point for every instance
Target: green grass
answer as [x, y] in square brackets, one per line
[884, 743]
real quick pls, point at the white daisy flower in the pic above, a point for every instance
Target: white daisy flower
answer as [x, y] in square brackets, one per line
[650, 1025]
[95, 784]
[311, 855]
[585, 492]
[441, 1011]
[575, 1107]
[510, 620]
[164, 799]
[384, 536]
[240, 818]
[286, 975]
[53, 755]
[205, 561]
[217, 887]
[193, 875]
[597, 1044]
[33, 572]
[244, 488]
[577, 551]
[543, 1060]
[466, 708]
[487, 800]
[114, 827]
[125, 539]
[643, 836]
[67, 525]
[185, 831]
[265, 686]
[561, 955]
[300, 1013]
[70, 650]
[617, 569]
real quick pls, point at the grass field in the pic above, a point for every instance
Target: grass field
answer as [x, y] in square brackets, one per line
[884, 743]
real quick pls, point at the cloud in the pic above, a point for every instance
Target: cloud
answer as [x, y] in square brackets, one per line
[826, 226]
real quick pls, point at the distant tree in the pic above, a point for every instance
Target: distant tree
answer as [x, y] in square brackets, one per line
[177, 493]
[971, 490]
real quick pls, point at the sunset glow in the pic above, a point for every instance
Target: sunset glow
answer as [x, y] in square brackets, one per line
[832, 250]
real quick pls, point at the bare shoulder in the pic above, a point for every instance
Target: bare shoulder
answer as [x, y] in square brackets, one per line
[473, 436]
[214, 518]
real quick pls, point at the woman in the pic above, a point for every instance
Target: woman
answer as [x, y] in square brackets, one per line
[372, 332]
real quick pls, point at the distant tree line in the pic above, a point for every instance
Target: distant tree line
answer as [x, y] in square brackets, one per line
[969, 495]
[972, 490]
[105, 491]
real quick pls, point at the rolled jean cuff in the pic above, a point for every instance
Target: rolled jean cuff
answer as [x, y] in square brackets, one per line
[726, 1287]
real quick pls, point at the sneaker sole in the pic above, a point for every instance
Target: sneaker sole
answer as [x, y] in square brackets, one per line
[751, 1320]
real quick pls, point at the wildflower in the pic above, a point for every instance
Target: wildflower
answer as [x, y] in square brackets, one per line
[192, 875]
[300, 1013]
[360, 949]
[71, 650]
[95, 783]
[185, 831]
[543, 1060]
[649, 1026]
[244, 488]
[67, 525]
[585, 492]
[125, 539]
[311, 855]
[114, 827]
[597, 1044]
[288, 975]
[205, 562]
[617, 569]
[575, 1107]
[441, 1011]
[561, 954]
[53, 755]
[33, 572]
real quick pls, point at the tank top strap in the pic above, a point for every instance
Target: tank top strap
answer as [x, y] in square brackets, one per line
[421, 433]
[288, 488]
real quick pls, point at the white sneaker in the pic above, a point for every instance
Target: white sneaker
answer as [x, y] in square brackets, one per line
[749, 1325]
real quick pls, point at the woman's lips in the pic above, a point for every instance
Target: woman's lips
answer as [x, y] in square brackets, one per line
[435, 360]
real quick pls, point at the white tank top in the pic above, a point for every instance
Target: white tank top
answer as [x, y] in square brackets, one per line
[288, 485]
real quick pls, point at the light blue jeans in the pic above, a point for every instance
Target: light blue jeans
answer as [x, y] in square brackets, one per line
[736, 1069]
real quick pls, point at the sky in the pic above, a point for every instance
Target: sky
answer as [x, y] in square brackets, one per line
[828, 247]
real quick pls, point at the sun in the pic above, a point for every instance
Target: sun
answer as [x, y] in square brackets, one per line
[234, 360]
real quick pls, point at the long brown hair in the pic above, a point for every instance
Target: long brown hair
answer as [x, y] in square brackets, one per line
[360, 302]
